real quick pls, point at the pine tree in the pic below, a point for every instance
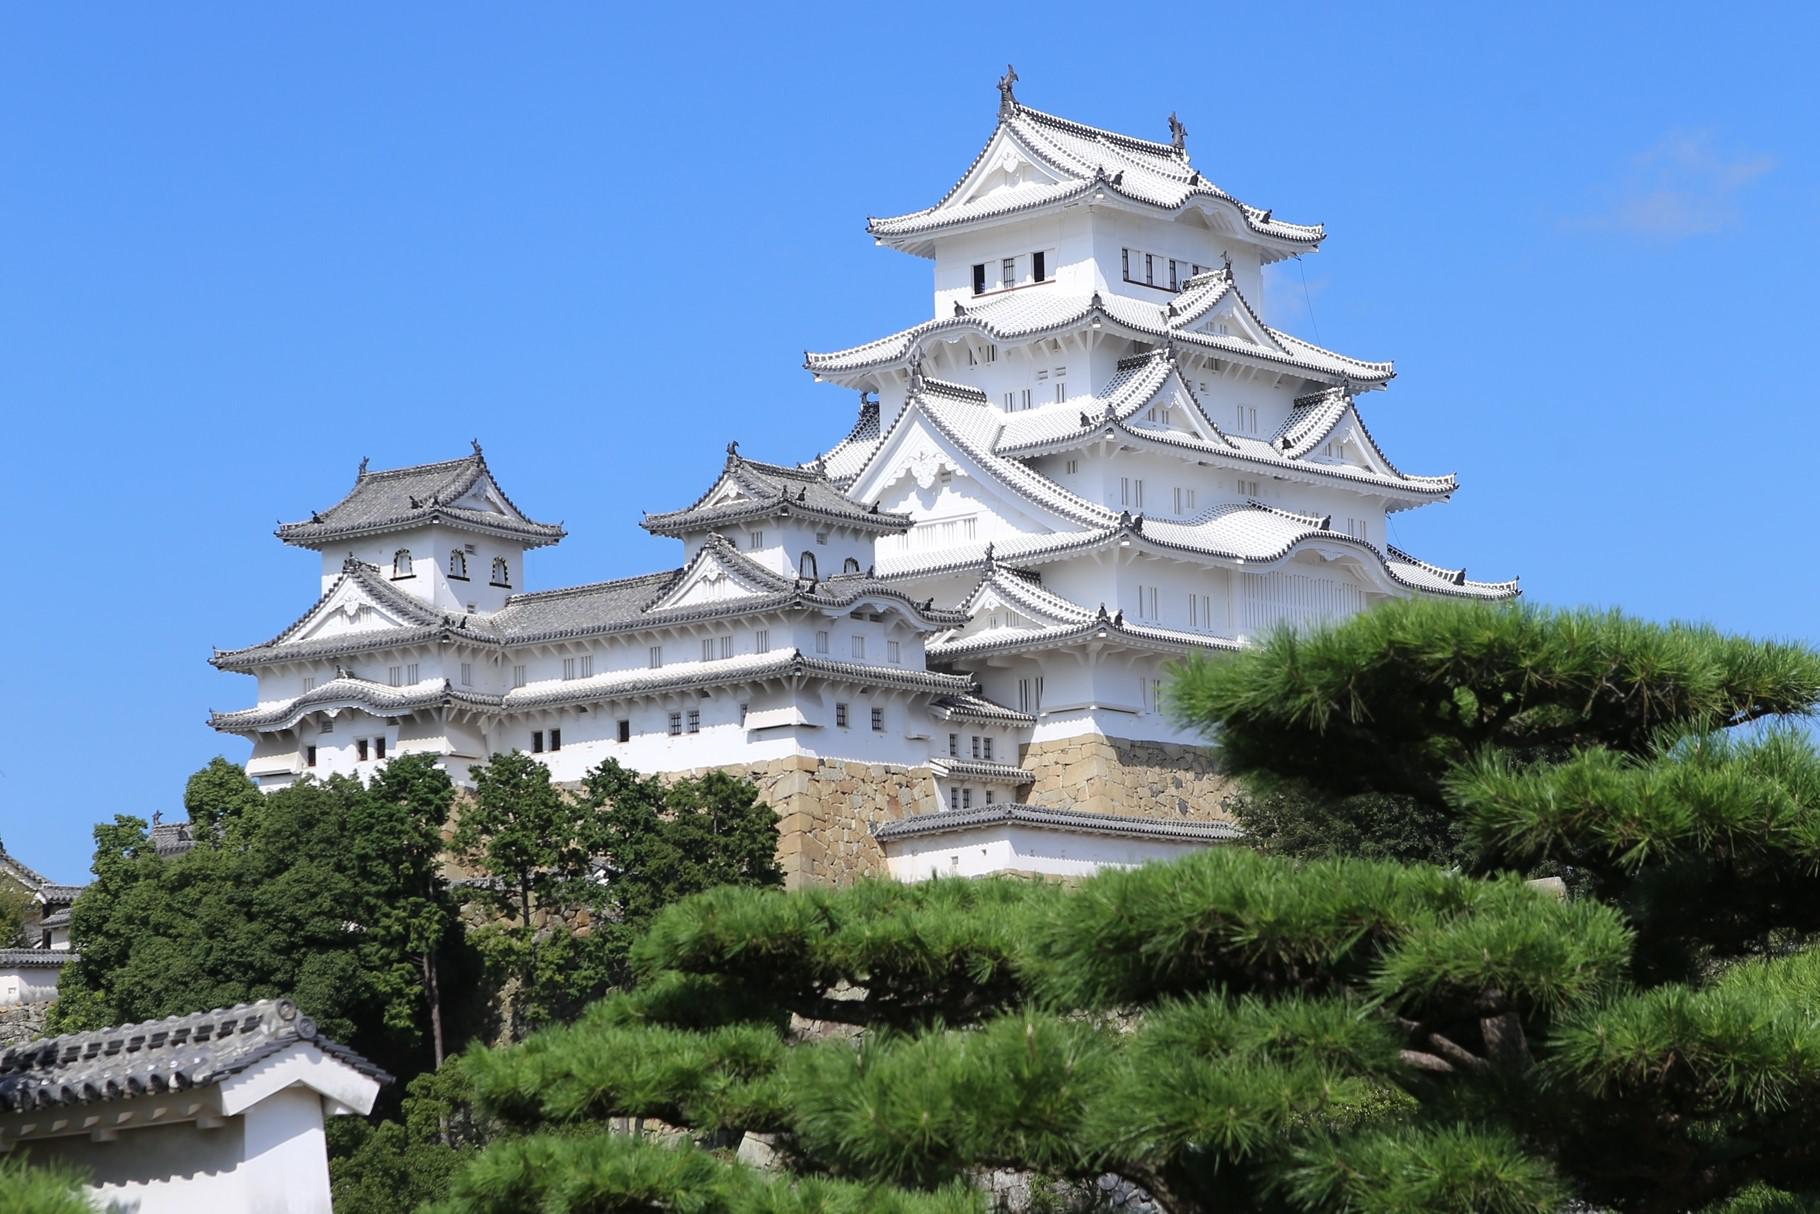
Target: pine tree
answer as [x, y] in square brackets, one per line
[1246, 1031]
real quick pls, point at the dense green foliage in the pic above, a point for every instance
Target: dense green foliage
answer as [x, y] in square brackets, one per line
[321, 892]
[1299, 1031]
[15, 906]
[31, 1190]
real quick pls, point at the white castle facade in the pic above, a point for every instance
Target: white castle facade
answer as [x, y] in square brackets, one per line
[942, 644]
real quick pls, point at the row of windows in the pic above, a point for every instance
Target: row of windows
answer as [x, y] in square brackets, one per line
[962, 798]
[806, 566]
[1200, 608]
[981, 745]
[1050, 385]
[841, 718]
[1155, 270]
[1183, 497]
[1007, 272]
[403, 566]
[365, 749]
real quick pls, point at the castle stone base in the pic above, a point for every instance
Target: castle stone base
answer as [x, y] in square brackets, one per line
[1099, 774]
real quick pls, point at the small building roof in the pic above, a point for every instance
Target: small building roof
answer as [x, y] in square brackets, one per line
[33, 958]
[747, 489]
[158, 1056]
[1073, 821]
[1076, 160]
[459, 492]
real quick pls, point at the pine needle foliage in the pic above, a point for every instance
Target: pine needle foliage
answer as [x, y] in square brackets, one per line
[1196, 1027]
[29, 1189]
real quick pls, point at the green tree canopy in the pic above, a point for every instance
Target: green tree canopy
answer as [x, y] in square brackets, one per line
[320, 892]
[1248, 1031]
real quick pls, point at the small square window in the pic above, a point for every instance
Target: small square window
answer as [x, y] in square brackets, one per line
[840, 716]
[695, 720]
[755, 539]
[676, 724]
[878, 720]
[821, 537]
[625, 731]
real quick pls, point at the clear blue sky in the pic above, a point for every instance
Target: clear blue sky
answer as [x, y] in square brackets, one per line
[245, 246]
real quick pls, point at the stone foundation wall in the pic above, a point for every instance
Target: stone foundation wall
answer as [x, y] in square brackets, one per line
[826, 809]
[23, 1022]
[1116, 776]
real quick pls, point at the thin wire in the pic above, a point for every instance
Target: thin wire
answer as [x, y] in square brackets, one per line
[1308, 300]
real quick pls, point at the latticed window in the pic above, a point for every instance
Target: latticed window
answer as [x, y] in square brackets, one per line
[458, 564]
[401, 563]
[502, 573]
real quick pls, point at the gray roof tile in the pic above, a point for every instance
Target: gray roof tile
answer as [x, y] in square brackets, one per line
[193, 1051]
[944, 821]
[397, 498]
[772, 489]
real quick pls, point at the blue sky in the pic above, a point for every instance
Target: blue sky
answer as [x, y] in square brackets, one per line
[246, 246]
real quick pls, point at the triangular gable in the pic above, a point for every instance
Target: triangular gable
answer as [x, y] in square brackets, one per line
[1172, 409]
[352, 607]
[716, 575]
[1349, 442]
[919, 455]
[1005, 164]
[1229, 316]
[485, 497]
[1003, 605]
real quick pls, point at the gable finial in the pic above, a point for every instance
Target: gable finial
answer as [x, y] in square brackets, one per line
[361, 474]
[1007, 104]
[476, 444]
[916, 367]
[733, 449]
[1178, 134]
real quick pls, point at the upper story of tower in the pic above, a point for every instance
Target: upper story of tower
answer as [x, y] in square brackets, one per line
[445, 533]
[1056, 206]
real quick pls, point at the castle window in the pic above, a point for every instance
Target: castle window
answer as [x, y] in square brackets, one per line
[894, 652]
[878, 720]
[502, 573]
[987, 746]
[954, 802]
[467, 674]
[821, 537]
[954, 746]
[988, 796]
[379, 747]
[1007, 272]
[458, 565]
[655, 656]
[518, 676]
[328, 725]
[537, 741]
[840, 716]
[966, 798]
[707, 649]
[979, 278]
[309, 756]
[743, 710]
[805, 566]
[695, 720]
[1037, 267]
[755, 539]
[859, 648]
[726, 646]
[676, 724]
[976, 746]
[394, 675]
[761, 641]
[625, 731]
[556, 739]
[401, 563]
[410, 672]
[821, 642]
[360, 749]
[850, 565]
[309, 683]
[1030, 695]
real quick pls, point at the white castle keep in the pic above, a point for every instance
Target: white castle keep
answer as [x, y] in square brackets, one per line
[942, 644]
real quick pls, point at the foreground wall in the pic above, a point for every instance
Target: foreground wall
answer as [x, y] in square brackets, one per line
[1097, 774]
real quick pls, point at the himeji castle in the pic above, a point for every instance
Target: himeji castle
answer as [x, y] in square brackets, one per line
[942, 645]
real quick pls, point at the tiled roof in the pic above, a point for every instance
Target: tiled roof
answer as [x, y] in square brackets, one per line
[347, 691]
[765, 490]
[424, 624]
[171, 838]
[52, 894]
[1025, 315]
[1085, 160]
[985, 773]
[11, 866]
[418, 496]
[843, 461]
[179, 1052]
[33, 958]
[945, 821]
[977, 708]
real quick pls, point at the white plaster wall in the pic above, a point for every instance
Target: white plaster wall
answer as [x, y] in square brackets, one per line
[430, 548]
[28, 984]
[1187, 240]
[1009, 848]
[1063, 237]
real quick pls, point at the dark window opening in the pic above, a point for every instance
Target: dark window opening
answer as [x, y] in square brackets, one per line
[1037, 268]
[502, 573]
[309, 756]
[537, 741]
[806, 566]
[625, 731]
[979, 278]
[360, 749]
[379, 748]
[556, 739]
